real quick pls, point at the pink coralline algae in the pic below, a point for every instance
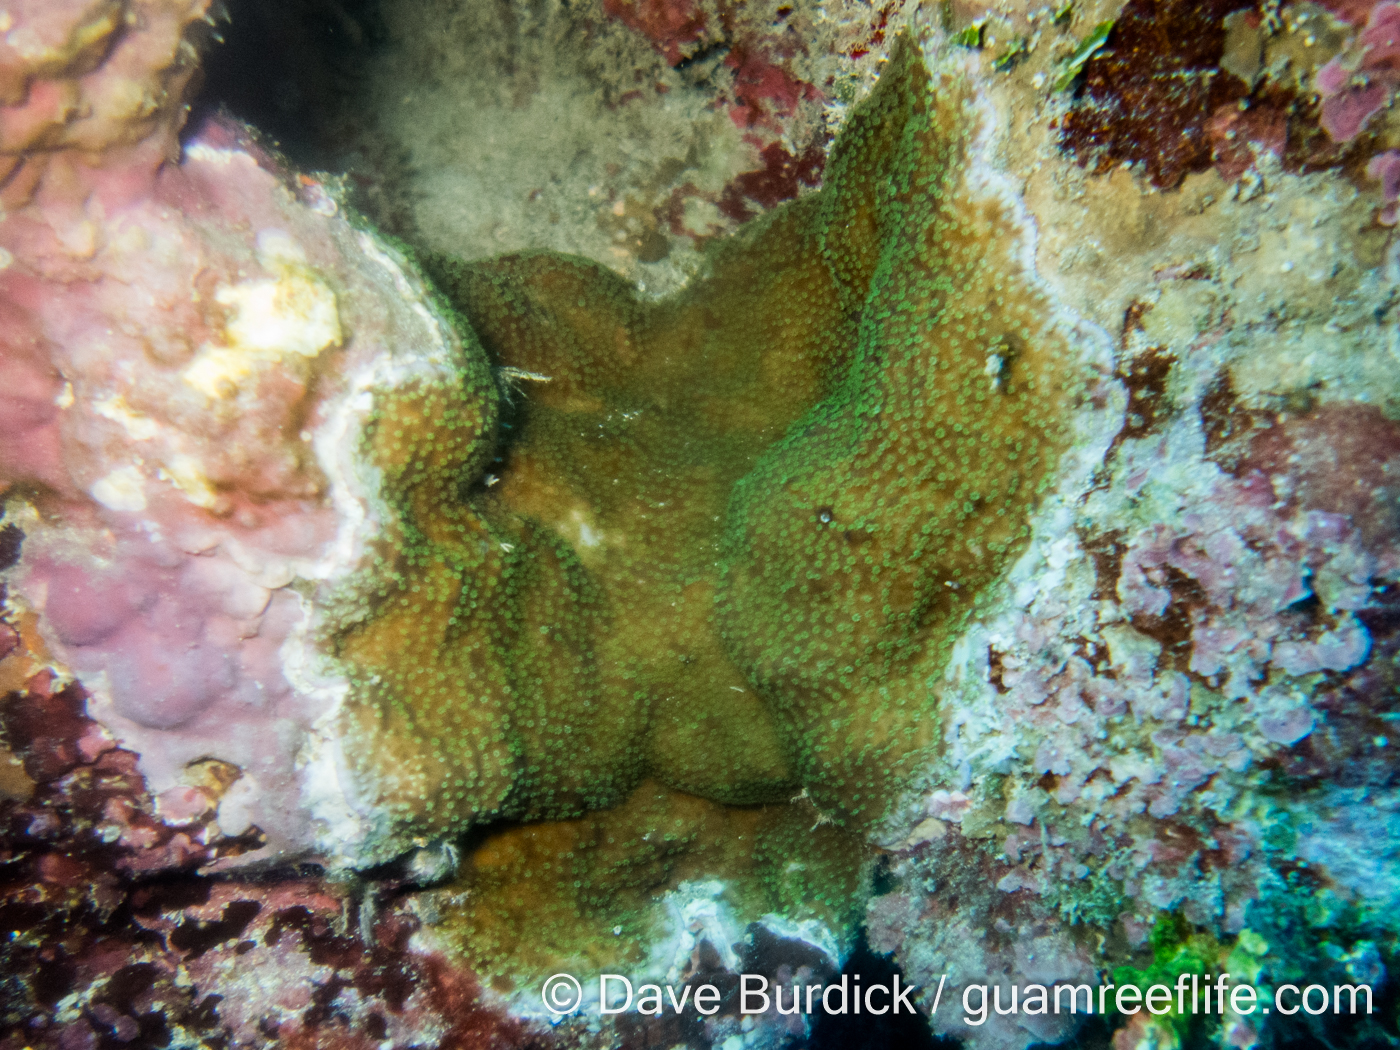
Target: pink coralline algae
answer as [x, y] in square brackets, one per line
[1385, 168]
[76, 85]
[767, 98]
[1114, 766]
[186, 349]
[1357, 83]
[764, 87]
[168, 431]
[60, 113]
[671, 26]
[1354, 11]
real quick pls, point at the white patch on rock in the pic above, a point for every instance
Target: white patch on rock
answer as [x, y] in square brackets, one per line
[122, 489]
[290, 315]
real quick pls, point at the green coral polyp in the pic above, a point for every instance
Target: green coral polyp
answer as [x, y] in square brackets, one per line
[724, 545]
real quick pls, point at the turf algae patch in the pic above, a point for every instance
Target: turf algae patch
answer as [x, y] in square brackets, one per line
[663, 604]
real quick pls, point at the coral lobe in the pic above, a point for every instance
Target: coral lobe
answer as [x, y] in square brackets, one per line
[727, 537]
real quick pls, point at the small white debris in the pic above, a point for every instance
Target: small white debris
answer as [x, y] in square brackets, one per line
[510, 372]
[122, 489]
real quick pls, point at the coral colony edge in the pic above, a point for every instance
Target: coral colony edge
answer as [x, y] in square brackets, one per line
[893, 506]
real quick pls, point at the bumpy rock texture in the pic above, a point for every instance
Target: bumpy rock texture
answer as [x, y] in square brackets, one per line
[183, 347]
[630, 132]
[1173, 734]
[997, 546]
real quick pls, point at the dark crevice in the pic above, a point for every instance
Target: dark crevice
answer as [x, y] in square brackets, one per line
[863, 1031]
[287, 66]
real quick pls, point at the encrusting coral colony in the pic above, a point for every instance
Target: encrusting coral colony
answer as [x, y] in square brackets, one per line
[949, 509]
[734, 531]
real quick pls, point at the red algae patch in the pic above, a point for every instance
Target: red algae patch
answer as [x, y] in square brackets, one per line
[1184, 86]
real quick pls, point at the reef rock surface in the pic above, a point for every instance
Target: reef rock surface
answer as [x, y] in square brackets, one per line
[992, 553]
